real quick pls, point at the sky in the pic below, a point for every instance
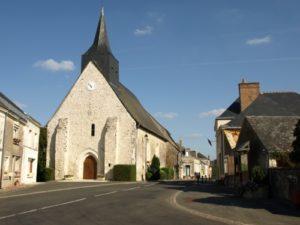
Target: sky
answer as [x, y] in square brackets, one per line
[182, 59]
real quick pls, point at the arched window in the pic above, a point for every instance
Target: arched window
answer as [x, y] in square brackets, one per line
[93, 130]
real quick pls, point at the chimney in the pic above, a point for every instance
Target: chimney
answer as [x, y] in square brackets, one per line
[248, 93]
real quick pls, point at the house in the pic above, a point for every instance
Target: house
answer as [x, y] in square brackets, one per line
[194, 163]
[19, 140]
[250, 103]
[101, 123]
[265, 141]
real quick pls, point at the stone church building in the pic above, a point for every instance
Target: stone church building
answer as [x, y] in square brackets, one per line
[100, 123]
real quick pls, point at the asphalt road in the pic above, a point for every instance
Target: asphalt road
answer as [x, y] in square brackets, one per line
[95, 203]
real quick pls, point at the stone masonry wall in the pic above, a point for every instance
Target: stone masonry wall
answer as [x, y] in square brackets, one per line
[84, 107]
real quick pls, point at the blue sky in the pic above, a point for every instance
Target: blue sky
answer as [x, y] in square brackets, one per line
[183, 59]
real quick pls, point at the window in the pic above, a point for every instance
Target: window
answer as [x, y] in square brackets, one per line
[93, 130]
[30, 165]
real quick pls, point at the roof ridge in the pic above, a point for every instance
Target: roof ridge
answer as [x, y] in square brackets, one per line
[279, 92]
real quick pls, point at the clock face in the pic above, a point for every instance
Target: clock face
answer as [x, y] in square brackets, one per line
[91, 86]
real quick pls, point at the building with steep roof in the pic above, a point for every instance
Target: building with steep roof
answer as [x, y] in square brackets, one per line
[19, 140]
[250, 104]
[101, 123]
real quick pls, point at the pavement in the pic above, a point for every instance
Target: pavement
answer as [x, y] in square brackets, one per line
[94, 203]
[176, 203]
[219, 203]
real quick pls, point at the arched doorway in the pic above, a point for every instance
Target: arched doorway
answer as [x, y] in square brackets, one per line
[90, 168]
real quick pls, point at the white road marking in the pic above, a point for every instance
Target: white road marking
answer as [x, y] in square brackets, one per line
[26, 212]
[62, 189]
[61, 204]
[129, 189]
[6, 217]
[108, 193]
[150, 185]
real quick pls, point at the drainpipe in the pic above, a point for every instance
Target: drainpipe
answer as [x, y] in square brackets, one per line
[2, 157]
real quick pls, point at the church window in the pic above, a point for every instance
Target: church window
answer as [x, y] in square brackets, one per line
[93, 130]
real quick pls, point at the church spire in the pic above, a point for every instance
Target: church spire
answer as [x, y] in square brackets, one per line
[101, 55]
[101, 40]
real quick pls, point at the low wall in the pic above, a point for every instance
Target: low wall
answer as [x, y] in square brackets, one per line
[285, 184]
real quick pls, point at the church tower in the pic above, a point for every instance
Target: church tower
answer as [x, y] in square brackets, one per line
[100, 53]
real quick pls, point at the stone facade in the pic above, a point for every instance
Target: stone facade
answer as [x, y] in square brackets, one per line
[114, 128]
[116, 140]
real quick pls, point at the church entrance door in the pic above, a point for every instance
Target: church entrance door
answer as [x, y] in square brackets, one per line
[90, 168]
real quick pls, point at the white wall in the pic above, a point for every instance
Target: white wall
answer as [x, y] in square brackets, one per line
[31, 134]
[2, 123]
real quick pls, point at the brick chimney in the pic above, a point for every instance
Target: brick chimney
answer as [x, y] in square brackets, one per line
[248, 93]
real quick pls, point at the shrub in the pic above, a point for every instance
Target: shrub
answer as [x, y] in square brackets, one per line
[163, 175]
[124, 173]
[42, 155]
[295, 154]
[155, 168]
[48, 174]
[258, 174]
[148, 175]
[169, 173]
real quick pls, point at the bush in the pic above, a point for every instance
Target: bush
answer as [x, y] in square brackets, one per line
[48, 174]
[163, 175]
[124, 173]
[169, 173]
[42, 155]
[155, 168]
[258, 175]
[148, 175]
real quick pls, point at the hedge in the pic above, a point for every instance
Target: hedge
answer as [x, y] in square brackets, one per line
[124, 173]
[168, 173]
[48, 174]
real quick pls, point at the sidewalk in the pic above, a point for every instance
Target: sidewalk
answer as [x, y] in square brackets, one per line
[218, 203]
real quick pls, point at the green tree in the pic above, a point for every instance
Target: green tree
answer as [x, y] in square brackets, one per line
[155, 168]
[42, 155]
[295, 154]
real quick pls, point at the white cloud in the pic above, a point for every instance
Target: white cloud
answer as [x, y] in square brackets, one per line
[214, 112]
[20, 104]
[168, 115]
[55, 66]
[157, 17]
[259, 41]
[147, 30]
[193, 136]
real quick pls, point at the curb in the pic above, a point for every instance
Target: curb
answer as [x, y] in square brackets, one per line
[173, 200]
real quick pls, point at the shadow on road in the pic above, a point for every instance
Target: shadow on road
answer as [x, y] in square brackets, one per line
[212, 194]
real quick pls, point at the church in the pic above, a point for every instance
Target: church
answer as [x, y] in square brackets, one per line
[100, 123]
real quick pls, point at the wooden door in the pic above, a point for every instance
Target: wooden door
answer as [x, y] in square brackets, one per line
[90, 168]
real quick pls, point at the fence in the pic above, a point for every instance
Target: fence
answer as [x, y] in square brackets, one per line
[285, 184]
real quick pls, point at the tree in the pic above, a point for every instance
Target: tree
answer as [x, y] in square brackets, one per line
[42, 155]
[155, 168]
[295, 154]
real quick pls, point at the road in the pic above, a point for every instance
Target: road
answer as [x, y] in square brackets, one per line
[95, 203]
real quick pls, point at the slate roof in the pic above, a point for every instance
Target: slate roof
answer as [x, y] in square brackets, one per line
[232, 111]
[9, 105]
[276, 133]
[140, 114]
[270, 104]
